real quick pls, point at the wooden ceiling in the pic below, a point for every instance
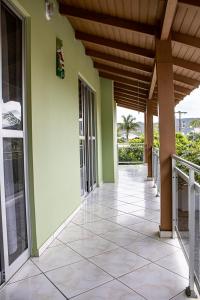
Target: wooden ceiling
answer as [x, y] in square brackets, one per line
[120, 35]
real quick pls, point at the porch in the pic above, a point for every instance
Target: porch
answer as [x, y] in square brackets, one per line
[110, 250]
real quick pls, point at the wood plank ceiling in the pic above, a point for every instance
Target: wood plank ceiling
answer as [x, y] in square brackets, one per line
[120, 35]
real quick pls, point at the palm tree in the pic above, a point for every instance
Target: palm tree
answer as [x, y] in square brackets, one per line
[128, 125]
[195, 123]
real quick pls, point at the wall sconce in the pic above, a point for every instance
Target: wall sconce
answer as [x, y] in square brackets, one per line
[49, 9]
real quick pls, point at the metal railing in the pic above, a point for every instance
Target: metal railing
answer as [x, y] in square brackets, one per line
[156, 170]
[186, 215]
[132, 153]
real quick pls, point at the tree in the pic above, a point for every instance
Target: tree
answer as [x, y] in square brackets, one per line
[195, 123]
[129, 125]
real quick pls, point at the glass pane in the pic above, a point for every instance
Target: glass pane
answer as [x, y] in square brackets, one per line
[11, 32]
[197, 232]
[82, 167]
[182, 212]
[15, 197]
[81, 116]
[94, 161]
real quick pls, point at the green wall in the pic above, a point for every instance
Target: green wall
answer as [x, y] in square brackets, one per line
[53, 119]
[108, 120]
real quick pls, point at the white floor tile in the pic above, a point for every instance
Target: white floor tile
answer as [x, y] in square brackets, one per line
[78, 278]
[119, 261]
[34, 288]
[154, 282]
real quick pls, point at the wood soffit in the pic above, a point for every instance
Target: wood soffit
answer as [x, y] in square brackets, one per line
[121, 43]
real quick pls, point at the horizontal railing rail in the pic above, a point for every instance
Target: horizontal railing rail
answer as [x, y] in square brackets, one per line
[186, 215]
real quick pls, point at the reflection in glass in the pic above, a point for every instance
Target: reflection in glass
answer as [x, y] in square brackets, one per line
[182, 213]
[15, 197]
[82, 167]
[11, 34]
[197, 232]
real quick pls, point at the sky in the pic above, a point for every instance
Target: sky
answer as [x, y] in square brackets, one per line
[190, 104]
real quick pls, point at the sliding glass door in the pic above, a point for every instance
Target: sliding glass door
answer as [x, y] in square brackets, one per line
[13, 210]
[87, 137]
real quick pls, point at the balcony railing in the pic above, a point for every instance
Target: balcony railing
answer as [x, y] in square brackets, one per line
[132, 153]
[186, 215]
[156, 170]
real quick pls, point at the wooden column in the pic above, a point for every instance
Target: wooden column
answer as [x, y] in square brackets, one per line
[164, 69]
[149, 128]
[145, 137]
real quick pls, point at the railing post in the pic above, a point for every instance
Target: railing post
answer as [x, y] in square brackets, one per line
[191, 208]
[174, 198]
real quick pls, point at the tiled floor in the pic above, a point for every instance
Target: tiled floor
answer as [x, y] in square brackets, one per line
[111, 250]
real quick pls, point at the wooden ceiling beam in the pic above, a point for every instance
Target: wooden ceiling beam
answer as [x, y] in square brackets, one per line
[190, 2]
[186, 39]
[170, 10]
[121, 72]
[128, 106]
[181, 90]
[129, 88]
[118, 60]
[136, 108]
[132, 104]
[153, 82]
[130, 98]
[134, 26]
[123, 80]
[98, 40]
[130, 101]
[187, 80]
[129, 93]
[118, 100]
[105, 19]
[186, 64]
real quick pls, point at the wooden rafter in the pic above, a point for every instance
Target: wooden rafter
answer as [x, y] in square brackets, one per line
[170, 10]
[114, 44]
[137, 26]
[121, 72]
[153, 82]
[187, 80]
[190, 2]
[105, 19]
[130, 103]
[139, 100]
[127, 81]
[129, 88]
[186, 64]
[186, 39]
[130, 93]
[118, 60]
[130, 107]
[129, 74]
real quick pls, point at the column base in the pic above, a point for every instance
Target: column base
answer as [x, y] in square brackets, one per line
[149, 178]
[165, 234]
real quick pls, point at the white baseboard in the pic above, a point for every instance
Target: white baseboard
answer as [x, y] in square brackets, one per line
[165, 234]
[149, 178]
[57, 232]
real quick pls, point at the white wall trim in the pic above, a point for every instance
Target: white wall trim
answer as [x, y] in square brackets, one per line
[57, 232]
[165, 234]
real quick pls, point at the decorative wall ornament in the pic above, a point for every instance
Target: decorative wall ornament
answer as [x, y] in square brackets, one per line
[60, 69]
[49, 9]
